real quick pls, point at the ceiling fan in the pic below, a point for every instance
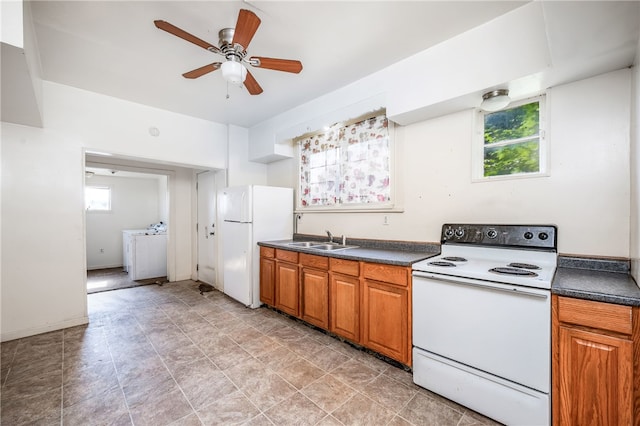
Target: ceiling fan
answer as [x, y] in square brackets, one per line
[232, 45]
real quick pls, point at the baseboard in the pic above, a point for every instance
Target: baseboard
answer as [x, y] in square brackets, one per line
[19, 334]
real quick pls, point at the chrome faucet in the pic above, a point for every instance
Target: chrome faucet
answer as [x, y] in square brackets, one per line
[343, 238]
[330, 236]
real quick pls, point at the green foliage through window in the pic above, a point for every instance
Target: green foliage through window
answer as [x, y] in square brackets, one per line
[512, 141]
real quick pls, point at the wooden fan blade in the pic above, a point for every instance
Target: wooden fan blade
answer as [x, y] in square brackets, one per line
[286, 65]
[172, 29]
[246, 27]
[252, 85]
[199, 72]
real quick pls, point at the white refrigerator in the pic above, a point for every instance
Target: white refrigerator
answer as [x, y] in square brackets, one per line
[251, 214]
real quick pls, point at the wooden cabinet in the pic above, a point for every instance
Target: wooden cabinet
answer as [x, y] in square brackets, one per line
[315, 289]
[367, 303]
[593, 363]
[287, 288]
[267, 276]
[386, 310]
[345, 299]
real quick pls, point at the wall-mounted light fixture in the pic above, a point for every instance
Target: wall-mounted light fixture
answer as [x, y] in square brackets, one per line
[495, 100]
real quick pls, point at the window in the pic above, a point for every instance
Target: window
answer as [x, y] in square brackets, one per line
[97, 198]
[348, 166]
[513, 142]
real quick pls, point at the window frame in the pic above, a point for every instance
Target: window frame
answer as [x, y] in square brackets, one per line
[478, 145]
[107, 187]
[350, 207]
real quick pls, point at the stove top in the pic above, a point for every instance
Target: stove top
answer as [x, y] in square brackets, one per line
[510, 254]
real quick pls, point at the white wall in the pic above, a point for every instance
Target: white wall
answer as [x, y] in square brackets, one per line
[43, 273]
[135, 204]
[634, 239]
[241, 171]
[586, 195]
[43, 258]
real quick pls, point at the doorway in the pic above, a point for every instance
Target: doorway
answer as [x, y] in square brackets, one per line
[126, 217]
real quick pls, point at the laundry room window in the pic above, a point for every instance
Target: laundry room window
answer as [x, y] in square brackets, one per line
[347, 166]
[511, 143]
[97, 198]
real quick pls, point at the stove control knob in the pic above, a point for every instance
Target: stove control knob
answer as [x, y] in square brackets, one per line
[543, 236]
[528, 235]
[459, 233]
[492, 233]
[448, 233]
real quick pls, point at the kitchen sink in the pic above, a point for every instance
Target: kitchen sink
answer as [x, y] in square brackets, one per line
[303, 243]
[315, 245]
[331, 246]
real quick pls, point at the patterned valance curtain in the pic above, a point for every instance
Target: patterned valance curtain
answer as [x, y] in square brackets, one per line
[347, 165]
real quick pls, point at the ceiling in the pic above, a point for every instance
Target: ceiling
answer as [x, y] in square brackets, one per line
[113, 47]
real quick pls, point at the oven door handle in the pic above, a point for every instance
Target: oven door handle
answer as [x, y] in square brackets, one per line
[498, 287]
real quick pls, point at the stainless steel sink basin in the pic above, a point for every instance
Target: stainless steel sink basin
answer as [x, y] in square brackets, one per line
[303, 243]
[315, 245]
[330, 246]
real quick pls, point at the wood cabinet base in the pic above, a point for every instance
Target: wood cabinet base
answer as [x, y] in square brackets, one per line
[366, 303]
[595, 363]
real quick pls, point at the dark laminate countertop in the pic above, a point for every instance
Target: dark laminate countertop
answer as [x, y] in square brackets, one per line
[601, 286]
[598, 280]
[391, 253]
[601, 280]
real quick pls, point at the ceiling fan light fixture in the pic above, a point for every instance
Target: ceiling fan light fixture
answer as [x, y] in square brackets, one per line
[234, 72]
[495, 100]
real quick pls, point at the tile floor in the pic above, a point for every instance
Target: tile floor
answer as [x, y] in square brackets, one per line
[166, 355]
[114, 279]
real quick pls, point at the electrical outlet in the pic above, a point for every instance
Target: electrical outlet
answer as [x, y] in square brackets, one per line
[385, 220]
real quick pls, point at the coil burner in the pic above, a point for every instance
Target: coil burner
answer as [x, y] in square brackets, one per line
[445, 264]
[513, 271]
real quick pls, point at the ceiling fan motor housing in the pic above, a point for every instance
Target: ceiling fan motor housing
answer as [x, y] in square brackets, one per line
[231, 51]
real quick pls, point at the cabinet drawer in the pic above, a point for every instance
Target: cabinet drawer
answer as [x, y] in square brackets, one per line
[319, 262]
[398, 275]
[604, 316]
[267, 252]
[287, 256]
[347, 267]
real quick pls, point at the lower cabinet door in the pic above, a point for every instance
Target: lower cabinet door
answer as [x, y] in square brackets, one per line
[287, 293]
[267, 281]
[386, 319]
[345, 306]
[315, 297]
[596, 379]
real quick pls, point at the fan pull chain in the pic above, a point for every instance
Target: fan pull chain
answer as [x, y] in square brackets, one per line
[227, 90]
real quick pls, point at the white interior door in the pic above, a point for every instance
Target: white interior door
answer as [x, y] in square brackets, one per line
[207, 232]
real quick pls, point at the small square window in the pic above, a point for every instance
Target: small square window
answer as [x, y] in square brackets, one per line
[512, 142]
[97, 198]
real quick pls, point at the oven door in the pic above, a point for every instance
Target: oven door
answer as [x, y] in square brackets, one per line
[499, 329]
